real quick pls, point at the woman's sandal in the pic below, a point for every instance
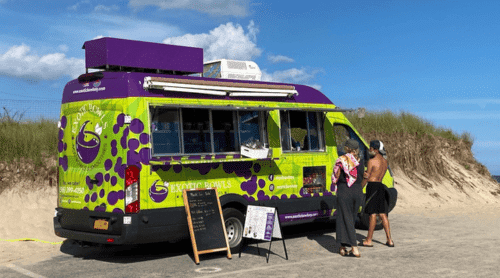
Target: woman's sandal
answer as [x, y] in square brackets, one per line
[343, 251]
[351, 253]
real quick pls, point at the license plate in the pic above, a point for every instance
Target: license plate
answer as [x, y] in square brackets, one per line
[101, 224]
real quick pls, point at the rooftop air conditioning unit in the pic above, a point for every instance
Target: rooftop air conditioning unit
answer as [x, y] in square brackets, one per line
[231, 69]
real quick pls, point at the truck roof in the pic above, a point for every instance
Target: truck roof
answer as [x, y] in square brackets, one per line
[130, 84]
[125, 65]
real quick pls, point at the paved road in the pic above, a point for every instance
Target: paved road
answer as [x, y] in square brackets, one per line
[427, 245]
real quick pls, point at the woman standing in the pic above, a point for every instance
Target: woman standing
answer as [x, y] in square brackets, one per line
[347, 176]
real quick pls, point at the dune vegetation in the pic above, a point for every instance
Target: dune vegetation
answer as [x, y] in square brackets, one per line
[28, 149]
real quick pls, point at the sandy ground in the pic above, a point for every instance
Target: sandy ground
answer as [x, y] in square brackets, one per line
[29, 214]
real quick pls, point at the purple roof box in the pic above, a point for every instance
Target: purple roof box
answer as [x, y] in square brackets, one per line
[114, 52]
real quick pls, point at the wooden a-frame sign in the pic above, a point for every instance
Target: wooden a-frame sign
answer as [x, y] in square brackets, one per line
[205, 221]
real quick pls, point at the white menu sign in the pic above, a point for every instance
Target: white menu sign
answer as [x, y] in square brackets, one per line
[261, 223]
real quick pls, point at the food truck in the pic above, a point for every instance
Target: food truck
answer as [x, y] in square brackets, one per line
[148, 120]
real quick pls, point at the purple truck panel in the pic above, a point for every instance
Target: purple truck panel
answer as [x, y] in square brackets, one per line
[138, 54]
[123, 84]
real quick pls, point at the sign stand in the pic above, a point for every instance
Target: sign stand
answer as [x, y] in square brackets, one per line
[205, 221]
[262, 223]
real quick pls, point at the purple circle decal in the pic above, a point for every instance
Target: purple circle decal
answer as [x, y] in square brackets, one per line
[133, 144]
[119, 211]
[106, 177]
[63, 161]
[177, 169]
[144, 138]
[63, 122]
[123, 142]
[100, 178]
[61, 134]
[120, 119]
[262, 183]
[250, 186]
[134, 159]
[101, 193]
[89, 183]
[261, 196]
[136, 126]
[93, 198]
[256, 168]
[108, 164]
[114, 180]
[145, 155]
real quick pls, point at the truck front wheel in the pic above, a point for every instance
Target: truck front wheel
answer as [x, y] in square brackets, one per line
[234, 222]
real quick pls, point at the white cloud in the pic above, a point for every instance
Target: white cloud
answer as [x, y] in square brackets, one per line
[116, 26]
[487, 144]
[18, 62]
[316, 86]
[280, 59]
[102, 8]
[98, 37]
[460, 115]
[63, 48]
[228, 41]
[481, 102]
[292, 75]
[213, 7]
[77, 5]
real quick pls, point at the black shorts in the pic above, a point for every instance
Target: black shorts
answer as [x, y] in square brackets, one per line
[376, 199]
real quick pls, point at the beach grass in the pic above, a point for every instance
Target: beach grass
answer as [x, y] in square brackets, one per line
[36, 139]
[31, 140]
[387, 122]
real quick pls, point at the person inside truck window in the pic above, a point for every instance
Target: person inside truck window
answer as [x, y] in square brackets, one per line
[347, 176]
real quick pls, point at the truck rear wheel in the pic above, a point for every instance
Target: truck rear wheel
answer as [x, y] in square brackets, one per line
[234, 222]
[365, 222]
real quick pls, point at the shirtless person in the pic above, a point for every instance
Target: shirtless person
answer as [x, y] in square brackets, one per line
[377, 205]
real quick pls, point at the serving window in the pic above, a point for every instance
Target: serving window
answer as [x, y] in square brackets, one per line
[302, 131]
[178, 131]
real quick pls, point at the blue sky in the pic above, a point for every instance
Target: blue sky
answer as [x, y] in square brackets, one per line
[436, 59]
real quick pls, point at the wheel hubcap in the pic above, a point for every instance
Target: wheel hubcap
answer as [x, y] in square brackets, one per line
[234, 230]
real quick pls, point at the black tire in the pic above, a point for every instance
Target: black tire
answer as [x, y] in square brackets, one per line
[234, 222]
[392, 195]
[365, 222]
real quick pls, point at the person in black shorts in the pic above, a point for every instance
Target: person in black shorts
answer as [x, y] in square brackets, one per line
[377, 204]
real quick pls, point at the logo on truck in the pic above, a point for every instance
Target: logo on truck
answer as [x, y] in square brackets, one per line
[88, 143]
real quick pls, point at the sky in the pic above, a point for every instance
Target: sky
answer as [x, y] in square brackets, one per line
[439, 60]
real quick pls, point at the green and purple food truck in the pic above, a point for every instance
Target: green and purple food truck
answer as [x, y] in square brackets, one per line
[151, 120]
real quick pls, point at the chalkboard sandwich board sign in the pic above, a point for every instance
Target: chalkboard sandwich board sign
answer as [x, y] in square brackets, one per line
[205, 221]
